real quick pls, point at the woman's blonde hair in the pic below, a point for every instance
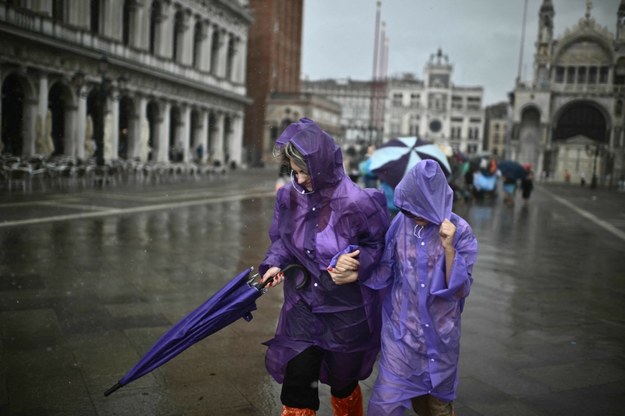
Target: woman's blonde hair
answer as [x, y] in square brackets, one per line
[290, 153]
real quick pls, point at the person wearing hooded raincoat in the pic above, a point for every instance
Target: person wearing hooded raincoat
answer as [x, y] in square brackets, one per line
[427, 266]
[329, 330]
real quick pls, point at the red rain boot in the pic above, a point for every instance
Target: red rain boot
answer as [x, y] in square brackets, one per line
[350, 405]
[293, 411]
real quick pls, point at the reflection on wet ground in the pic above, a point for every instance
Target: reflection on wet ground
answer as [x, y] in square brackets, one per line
[82, 298]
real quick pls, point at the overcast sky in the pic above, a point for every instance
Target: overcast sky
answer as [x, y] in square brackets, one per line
[482, 38]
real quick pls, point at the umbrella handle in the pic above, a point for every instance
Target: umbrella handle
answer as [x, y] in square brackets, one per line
[302, 285]
[112, 389]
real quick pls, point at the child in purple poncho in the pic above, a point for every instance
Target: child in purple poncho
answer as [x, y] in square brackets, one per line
[427, 266]
[329, 329]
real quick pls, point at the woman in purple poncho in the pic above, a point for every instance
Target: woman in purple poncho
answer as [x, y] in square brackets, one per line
[427, 264]
[328, 331]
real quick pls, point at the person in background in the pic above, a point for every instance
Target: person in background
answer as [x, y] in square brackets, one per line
[527, 183]
[509, 190]
[426, 272]
[328, 329]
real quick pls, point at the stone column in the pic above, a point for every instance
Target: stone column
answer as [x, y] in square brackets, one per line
[28, 127]
[42, 109]
[242, 61]
[185, 39]
[224, 42]
[236, 142]
[115, 127]
[81, 122]
[163, 135]
[218, 137]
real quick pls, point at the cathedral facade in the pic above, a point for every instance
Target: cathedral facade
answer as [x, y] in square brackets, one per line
[156, 80]
[568, 123]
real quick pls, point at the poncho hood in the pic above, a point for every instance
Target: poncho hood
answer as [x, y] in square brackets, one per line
[322, 154]
[425, 193]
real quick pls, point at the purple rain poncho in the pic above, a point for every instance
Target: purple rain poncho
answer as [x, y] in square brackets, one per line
[421, 314]
[310, 228]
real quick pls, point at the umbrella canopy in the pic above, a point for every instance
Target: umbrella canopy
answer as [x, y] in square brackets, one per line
[234, 301]
[391, 161]
[511, 169]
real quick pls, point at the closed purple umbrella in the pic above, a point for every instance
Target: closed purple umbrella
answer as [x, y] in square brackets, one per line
[235, 300]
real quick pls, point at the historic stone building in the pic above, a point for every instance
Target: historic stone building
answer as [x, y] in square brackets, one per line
[354, 98]
[155, 80]
[496, 128]
[435, 109]
[569, 120]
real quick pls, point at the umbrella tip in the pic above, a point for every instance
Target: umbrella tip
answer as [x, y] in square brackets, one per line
[112, 389]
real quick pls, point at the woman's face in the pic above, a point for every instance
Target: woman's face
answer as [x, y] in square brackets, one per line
[302, 177]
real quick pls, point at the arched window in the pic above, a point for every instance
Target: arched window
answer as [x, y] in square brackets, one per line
[155, 15]
[57, 10]
[94, 22]
[197, 44]
[178, 37]
[215, 52]
[126, 23]
[230, 59]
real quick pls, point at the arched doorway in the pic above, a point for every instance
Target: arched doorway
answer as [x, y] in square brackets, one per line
[127, 118]
[211, 132]
[12, 116]
[197, 151]
[581, 136]
[59, 100]
[153, 116]
[581, 119]
[176, 149]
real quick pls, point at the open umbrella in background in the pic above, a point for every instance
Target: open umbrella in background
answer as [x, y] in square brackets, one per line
[391, 161]
[511, 169]
[236, 300]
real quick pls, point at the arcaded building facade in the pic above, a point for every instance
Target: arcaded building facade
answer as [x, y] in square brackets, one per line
[157, 80]
[568, 121]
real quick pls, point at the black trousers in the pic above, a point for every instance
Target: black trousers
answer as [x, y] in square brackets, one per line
[300, 388]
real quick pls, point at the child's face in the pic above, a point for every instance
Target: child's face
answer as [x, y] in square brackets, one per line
[420, 221]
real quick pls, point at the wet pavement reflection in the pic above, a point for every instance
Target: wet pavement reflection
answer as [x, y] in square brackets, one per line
[90, 280]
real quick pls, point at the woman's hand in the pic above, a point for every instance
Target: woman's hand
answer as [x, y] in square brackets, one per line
[346, 270]
[344, 278]
[276, 273]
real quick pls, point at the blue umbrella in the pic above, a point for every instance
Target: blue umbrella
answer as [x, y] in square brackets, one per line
[391, 161]
[511, 169]
[237, 299]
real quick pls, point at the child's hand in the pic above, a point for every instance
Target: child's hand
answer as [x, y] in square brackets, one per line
[447, 232]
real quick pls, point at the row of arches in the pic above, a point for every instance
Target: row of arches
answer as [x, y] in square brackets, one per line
[61, 119]
[539, 143]
[167, 29]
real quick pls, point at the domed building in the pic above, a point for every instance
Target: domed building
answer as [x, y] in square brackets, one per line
[158, 80]
[569, 122]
